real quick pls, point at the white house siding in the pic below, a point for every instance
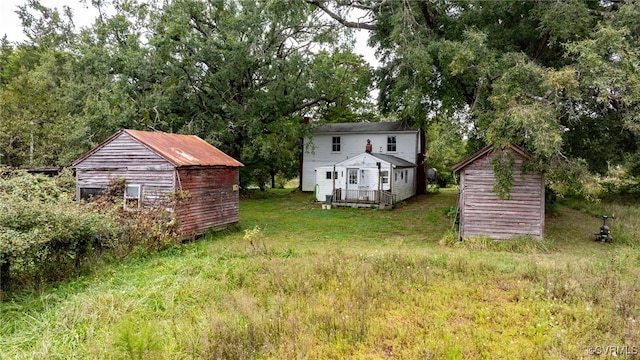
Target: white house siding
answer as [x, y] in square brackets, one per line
[404, 187]
[318, 149]
[368, 177]
[324, 186]
[125, 157]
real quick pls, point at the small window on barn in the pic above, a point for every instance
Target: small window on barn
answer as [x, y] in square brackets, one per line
[89, 193]
[406, 176]
[395, 177]
[335, 144]
[401, 175]
[385, 177]
[391, 143]
[132, 196]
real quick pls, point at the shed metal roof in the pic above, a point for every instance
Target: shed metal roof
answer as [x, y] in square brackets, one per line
[361, 127]
[487, 149]
[180, 150]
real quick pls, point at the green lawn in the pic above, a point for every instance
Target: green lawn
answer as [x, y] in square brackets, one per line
[347, 283]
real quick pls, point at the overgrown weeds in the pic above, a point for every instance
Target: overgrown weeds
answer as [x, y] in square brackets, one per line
[520, 244]
[380, 288]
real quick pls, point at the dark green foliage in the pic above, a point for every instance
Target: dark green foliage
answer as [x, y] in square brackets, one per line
[503, 166]
[44, 235]
[559, 79]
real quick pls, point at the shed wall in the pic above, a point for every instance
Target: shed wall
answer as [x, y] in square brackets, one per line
[213, 201]
[484, 213]
[125, 157]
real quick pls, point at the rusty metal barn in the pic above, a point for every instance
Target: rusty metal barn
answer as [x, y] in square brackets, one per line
[155, 164]
[482, 212]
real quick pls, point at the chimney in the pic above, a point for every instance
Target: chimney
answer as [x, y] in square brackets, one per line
[369, 147]
[307, 120]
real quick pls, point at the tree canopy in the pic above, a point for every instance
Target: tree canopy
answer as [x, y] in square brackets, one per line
[560, 79]
[240, 74]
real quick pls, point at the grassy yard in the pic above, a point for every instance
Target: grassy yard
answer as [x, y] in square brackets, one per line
[347, 283]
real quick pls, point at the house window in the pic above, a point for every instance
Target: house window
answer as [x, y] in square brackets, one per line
[406, 176]
[395, 177]
[335, 144]
[352, 174]
[132, 195]
[385, 177]
[328, 175]
[401, 175]
[391, 143]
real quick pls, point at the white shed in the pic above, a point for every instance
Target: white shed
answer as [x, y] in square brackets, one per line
[367, 179]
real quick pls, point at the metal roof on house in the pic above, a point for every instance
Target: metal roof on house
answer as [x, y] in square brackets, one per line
[394, 160]
[180, 150]
[363, 127]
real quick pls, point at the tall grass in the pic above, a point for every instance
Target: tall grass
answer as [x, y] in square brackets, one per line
[342, 283]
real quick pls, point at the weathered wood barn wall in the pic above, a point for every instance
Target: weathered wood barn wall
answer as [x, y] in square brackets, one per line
[155, 164]
[482, 212]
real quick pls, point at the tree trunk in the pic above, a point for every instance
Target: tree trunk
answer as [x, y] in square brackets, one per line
[5, 276]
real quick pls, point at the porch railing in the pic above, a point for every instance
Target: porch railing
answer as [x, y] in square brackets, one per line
[363, 197]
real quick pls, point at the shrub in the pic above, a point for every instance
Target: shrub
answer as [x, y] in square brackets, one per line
[44, 235]
[146, 229]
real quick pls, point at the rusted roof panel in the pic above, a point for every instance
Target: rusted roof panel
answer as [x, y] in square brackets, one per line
[183, 150]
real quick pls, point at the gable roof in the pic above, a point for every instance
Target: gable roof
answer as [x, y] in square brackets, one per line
[362, 127]
[486, 150]
[180, 150]
[393, 160]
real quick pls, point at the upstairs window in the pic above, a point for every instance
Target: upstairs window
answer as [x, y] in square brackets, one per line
[335, 144]
[391, 143]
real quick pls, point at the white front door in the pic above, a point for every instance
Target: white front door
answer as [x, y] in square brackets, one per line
[352, 179]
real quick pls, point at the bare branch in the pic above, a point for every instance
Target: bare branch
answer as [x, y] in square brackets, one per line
[341, 20]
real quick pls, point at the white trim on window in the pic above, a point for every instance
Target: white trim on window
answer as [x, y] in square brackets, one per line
[132, 196]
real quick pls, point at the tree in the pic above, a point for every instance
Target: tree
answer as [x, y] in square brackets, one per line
[240, 74]
[34, 121]
[537, 74]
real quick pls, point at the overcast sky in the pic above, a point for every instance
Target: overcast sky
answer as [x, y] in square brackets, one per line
[10, 22]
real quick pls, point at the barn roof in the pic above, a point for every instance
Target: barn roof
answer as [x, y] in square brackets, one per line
[180, 150]
[486, 150]
[363, 127]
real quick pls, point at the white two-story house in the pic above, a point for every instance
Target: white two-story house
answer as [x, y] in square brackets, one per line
[337, 161]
